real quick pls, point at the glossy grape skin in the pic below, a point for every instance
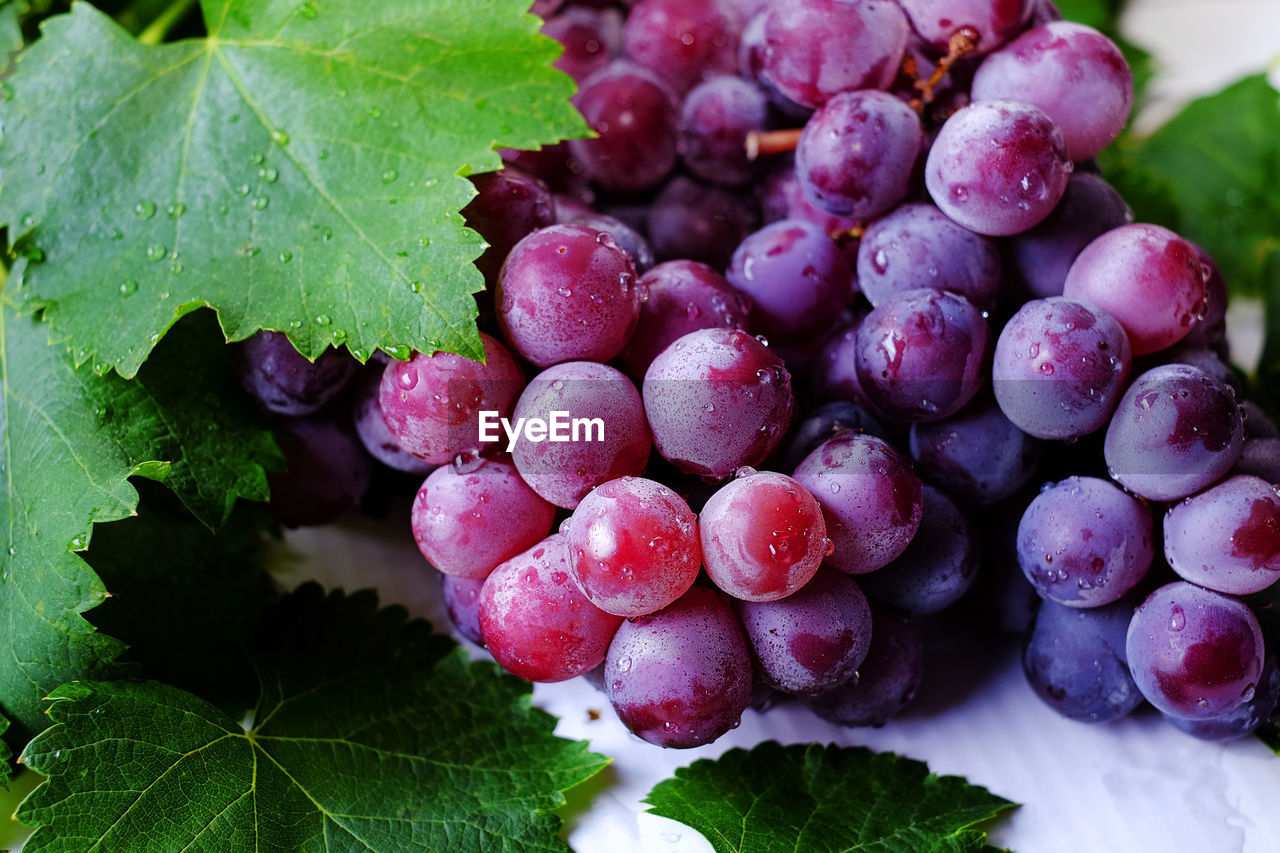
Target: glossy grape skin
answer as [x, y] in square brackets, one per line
[834, 372]
[1194, 653]
[715, 119]
[1041, 257]
[1073, 72]
[431, 403]
[795, 279]
[509, 204]
[592, 38]
[562, 472]
[462, 603]
[567, 292]
[684, 40]
[993, 23]
[815, 49]
[857, 155]
[700, 222]
[1060, 367]
[680, 677]
[1227, 538]
[782, 197]
[1176, 431]
[467, 523]
[1259, 457]
[372, 427]
[683, 296]
[717, 399]
[1210, 331]
[536, 622]
[763, 536]
[1245, 719]
[917, 245]
[635, 115]
[812, 640]
[283, 380]
[922, 354]
[326, 470]
[997, 167]
[937, 567]
[633, 546]
[977, 455]
[1075, 661]
[1084, 543]
[628, 239]
[870, 498]
[826, 422]
[888, 677]
[1147, 277]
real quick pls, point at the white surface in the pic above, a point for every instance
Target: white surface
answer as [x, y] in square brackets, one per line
[1137, 785]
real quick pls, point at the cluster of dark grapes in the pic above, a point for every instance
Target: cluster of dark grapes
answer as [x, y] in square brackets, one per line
[776, 283]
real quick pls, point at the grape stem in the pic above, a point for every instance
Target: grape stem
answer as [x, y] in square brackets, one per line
[760, 142]
[963, 42]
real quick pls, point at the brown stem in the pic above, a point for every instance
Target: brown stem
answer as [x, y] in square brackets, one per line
[760, 142]
[963, 42]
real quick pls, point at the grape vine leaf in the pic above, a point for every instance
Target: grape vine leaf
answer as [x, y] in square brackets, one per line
[72, 440]
[370, 733]
[298, 169]
[824, 799]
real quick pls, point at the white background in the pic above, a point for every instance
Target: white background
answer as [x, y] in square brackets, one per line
[1136, 785]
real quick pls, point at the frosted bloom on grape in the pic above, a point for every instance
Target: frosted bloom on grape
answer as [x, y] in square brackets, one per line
[1075, 661]
[991, 23]
[998, 167]
[635, 115]
[887, 679]
[1227, 538]
[684, 40]
[283, 380]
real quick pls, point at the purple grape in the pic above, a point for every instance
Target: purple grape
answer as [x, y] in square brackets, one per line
[1260, 457]
[1060, 367]
[614, 441]
[916, 246]
[465, 523]
[634, 114]
[1227, 538]
[1195, 653]
[857, 155]
[988, 24]
[977, 455]
[432, 403]
[921, 354]
[714, 122]
[698, 222]
[936, 568]
[997, 167]
[826, 422]
[592, 38]
[813, 640]
[1075, 661]
[685, 41]
[751, 52]
[1083, 542]
[796, 279]
[1147, 277]
[887, 680]
[717, 399]
[815, 49]
[326, 470]
[1256, 422]
[870, 497]
[628, 239]
[1245, 719]
[683, 297]
[1199, 357]
[568, 292]
[372, 429]
[508, 205]
[834, 371]
[1041, 257]
[680, 677]
[1176, 431]
[1072, 72]
[536, 622]
[1210, 330]
[283, 380]
[462, 603]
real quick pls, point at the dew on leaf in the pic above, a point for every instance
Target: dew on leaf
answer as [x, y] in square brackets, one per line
[324, 153]
[145, 209]
[307, 10]
[243, 189]
[269, 175]
[280, 137]
[260, 202]
[128, 287]
[375, 112]
[285, 257]
[257, 159]
[117, 234]
[389, 176]
[322, 320]
[176, 210]
[156, 252]
[235, 117]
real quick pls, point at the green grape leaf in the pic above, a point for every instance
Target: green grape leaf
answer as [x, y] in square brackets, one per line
[299, 169]
[72, 440]
[824, 799]
[370, 733]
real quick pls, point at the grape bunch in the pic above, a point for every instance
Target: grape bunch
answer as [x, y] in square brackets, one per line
[837, 324]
